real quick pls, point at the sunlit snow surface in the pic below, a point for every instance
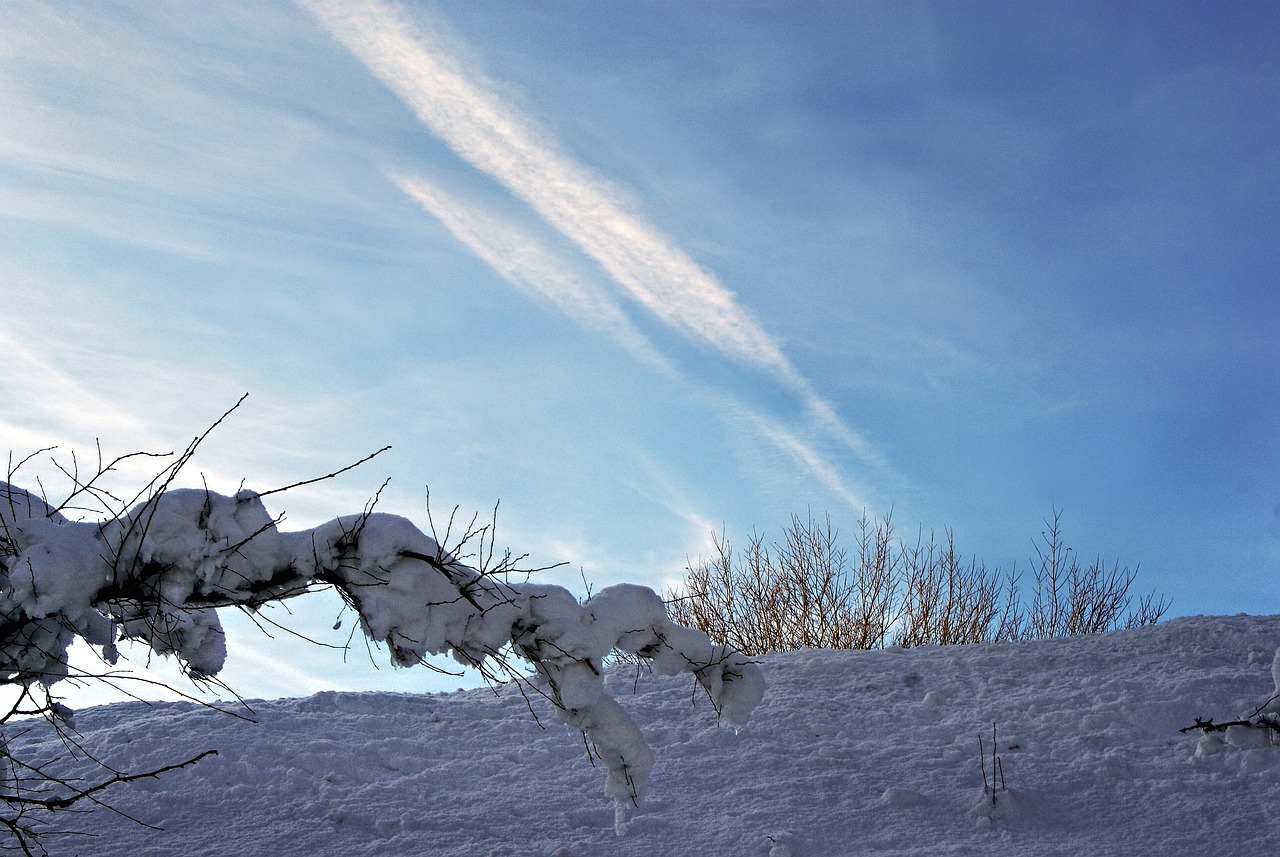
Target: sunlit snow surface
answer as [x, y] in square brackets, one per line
[850, 753]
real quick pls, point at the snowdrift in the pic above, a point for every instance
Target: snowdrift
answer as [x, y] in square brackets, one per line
[867, 753]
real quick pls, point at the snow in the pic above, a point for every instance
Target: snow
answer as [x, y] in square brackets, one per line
[850, 752]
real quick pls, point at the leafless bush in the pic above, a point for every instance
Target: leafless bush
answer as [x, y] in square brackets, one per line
[806, 591]
[1073, 599]
[800, 592]
[945, 601]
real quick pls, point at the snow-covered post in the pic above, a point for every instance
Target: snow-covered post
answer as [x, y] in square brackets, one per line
[159, 571]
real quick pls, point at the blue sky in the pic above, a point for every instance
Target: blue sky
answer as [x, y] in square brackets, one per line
[645, 271]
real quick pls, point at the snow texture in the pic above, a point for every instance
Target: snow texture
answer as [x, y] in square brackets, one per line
[159, 573]
[843, 757]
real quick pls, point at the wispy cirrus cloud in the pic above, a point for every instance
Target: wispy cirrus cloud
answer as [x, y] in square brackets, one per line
[802, 452]
[522, 260]
[494, 137]
[56, 408]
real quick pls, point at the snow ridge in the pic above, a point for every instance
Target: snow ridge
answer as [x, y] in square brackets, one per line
[845, 756]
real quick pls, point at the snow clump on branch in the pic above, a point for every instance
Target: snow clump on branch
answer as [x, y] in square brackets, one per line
[158, 573]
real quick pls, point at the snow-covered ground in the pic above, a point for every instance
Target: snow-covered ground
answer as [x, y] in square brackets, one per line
[866, 753]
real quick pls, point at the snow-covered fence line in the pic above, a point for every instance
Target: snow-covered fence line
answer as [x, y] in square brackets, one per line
[160, 570]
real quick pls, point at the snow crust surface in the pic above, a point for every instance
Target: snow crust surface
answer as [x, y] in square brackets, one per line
[868, 753]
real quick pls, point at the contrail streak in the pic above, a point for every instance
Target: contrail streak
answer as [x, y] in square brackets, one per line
[521, 260]
[803, 454]
[494, 138]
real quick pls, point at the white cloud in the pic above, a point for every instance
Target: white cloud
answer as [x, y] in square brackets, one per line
[524, 262]
[55, 406]
[495, 138]
[820, 410]
[804, 454]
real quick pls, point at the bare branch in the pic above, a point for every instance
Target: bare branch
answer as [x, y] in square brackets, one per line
[338, 472]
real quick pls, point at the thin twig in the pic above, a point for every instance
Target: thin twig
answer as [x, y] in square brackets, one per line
[326, 476]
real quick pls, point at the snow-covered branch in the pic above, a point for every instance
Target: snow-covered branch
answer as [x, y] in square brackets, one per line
[159, 571]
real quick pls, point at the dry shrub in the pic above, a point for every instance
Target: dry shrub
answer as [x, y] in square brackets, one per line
[945, 601]
[1073, 599]
[805, 591]
[800, 592]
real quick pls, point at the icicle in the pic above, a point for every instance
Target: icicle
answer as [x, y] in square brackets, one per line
[619, 817]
